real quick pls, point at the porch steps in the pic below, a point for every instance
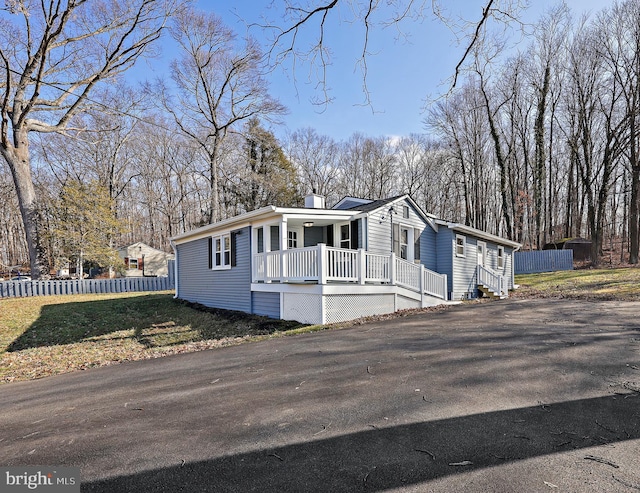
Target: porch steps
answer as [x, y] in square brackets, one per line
[491, 293]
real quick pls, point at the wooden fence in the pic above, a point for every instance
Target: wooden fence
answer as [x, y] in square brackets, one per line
[542, 261]
[14, 289]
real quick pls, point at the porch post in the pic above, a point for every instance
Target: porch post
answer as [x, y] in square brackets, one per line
[392, 268]
[322, 263]
[421, 285]
[284, 245]
[362, 266]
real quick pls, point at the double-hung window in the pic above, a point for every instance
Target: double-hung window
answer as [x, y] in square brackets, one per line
[500, 257]
[292, 239]
[222, 252]
[404, 243]
[461, 245]
[345, 236]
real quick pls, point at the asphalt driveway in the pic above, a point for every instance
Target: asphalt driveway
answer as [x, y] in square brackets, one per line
[535, 395]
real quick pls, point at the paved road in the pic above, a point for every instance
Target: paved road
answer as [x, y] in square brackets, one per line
[503, 396]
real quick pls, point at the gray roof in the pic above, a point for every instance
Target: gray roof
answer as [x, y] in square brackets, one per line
[371, 206]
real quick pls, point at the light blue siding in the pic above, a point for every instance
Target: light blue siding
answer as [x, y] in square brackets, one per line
[445, 243]
[267, 304]
[379, 232]
[464, 270]
[428, 248]
[492, 261]
[229, 289]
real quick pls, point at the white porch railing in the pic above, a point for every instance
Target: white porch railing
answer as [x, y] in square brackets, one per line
[322, 264]
[493, 281]
[408, 274]
[434, 284]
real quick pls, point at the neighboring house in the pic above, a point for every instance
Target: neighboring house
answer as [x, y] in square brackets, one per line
[142, 260]
[318, 265]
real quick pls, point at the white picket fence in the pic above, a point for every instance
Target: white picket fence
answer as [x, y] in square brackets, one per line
[16, 289]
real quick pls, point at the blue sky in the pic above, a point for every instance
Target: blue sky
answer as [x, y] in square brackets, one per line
[402, 74]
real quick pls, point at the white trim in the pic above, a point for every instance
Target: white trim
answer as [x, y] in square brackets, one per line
[223, 265]
[269, 214]
[500, 258]
[479, 234]
[464, 246]
[175, 269]
[484, 252]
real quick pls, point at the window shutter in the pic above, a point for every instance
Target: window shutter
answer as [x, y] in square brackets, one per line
[126, 262]
[233, 248]
[354, 234]
[330, 235]
[396, 239]
[210, 253]
[416, 244]
[140, 264]
[275, 238]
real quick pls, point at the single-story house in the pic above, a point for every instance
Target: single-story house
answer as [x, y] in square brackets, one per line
[141, 260]
[360, 258]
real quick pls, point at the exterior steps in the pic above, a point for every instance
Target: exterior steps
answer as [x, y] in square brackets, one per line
[487, 291]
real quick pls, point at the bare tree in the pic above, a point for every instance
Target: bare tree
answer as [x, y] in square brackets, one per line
[219, 84]
[52, 56]
[621, 49]
[368, 17]
[367, 167]
[593, 129]
[315, 156]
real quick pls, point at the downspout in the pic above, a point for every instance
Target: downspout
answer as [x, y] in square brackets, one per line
[175, 269]
[513, 267]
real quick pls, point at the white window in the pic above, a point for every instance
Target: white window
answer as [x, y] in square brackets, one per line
[293, 239]
[404, 243]
[133, 263]
[260, 240]
[461, 246]
[345, 236]
[500, 257]
[482, 253]
[222, 252]
[405, 211]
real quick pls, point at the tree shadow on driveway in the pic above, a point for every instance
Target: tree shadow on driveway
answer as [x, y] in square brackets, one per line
[392, 457]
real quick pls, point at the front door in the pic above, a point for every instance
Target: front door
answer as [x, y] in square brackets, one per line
[482, 252]
[294, 238]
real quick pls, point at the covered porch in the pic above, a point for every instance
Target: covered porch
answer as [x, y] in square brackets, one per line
[321, 264]
[321, 284]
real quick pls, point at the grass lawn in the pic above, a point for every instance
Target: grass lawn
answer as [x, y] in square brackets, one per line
[595, 284]
[42, 336]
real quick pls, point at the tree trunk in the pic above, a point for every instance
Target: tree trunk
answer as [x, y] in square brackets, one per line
[19, 162]
[540, 159]
[633, 215]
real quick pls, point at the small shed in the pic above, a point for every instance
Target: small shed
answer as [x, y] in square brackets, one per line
[141, 260]
[581, 247]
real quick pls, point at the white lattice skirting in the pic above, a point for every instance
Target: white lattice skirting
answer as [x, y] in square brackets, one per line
[307, 308]
[339, 308]
[317, 307]
[303, 307]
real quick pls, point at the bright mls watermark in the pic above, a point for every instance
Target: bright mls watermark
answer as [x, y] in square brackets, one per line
[49, 479]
